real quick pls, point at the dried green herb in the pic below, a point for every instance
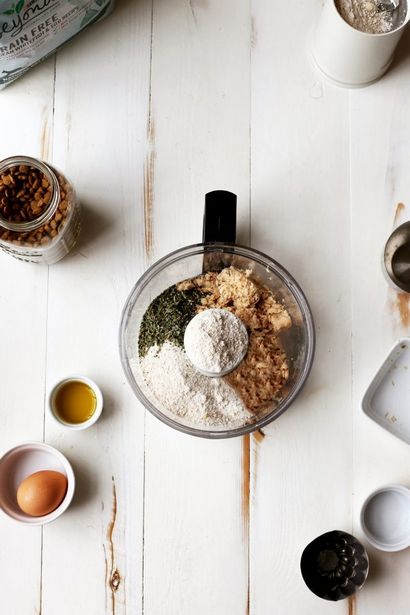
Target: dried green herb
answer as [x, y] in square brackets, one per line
[167, 317]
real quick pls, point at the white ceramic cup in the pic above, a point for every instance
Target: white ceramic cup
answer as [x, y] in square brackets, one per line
[385, 518]
[349, 57]
[23, 460]
[98, 408]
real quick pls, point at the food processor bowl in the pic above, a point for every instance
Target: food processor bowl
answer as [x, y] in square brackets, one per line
[298, 341]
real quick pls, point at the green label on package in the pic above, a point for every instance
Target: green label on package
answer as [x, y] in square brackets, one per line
[30, 30]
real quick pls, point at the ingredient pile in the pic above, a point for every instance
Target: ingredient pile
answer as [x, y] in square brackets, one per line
[209, 350]
[370, 16]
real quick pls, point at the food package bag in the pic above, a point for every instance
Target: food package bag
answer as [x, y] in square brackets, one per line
[30, 30]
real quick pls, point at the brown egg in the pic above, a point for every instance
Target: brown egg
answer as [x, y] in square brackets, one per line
[41, 492]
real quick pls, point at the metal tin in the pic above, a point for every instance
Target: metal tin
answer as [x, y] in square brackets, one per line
[396, 258]
[334, 565]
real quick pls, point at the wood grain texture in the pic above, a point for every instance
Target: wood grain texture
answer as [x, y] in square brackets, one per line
[101, 110]
[301, 217]
[196, 546]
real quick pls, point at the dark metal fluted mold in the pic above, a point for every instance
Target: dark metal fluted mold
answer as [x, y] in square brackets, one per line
[334, 565]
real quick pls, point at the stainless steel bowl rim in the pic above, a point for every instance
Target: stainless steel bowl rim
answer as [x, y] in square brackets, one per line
[263, 260]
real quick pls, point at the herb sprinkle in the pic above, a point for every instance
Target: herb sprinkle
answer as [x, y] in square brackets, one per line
[167, 318]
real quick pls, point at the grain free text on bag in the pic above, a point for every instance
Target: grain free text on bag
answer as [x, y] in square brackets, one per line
[30, 30]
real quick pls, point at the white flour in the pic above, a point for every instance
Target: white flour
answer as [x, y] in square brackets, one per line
[365, 16]
[216, 341]
[182, 390]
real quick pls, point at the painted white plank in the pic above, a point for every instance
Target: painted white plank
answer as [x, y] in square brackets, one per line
[301, 472]
[26, 112]
[200, 113]
[196, 555]
[380, 181]
[101, 110]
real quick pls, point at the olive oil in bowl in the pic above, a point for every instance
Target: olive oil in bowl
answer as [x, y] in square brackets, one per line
[76, 402]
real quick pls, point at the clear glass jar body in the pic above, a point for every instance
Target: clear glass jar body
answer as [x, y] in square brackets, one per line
[298, 341]
[49, 237]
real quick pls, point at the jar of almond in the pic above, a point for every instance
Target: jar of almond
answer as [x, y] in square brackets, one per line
[39, 212]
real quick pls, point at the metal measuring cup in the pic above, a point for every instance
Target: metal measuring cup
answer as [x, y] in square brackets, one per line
[396, 258]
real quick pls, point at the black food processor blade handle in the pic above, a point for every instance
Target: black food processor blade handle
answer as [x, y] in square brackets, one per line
[219, 217]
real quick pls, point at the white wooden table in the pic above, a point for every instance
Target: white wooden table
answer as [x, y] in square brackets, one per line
[160, 103]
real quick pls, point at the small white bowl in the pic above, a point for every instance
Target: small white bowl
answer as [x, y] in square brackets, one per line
[385, 518]
[23, 460]
[98, 407]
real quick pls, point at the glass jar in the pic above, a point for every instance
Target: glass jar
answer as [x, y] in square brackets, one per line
[52, 227]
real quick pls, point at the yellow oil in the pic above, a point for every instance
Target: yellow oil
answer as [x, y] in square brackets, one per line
[75, 402]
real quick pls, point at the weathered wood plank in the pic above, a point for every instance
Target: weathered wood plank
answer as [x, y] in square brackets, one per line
[101, 111]
[380, 188]
[302, 469]
[196, 542]
[25, 129]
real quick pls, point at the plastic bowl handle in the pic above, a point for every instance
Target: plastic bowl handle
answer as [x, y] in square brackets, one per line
[219, 217]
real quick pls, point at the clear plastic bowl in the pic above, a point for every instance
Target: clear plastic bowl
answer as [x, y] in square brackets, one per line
[191, 261]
